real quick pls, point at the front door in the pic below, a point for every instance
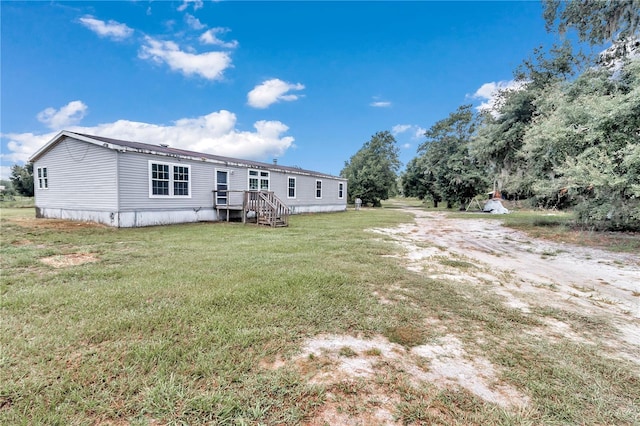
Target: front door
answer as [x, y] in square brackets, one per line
[222, 186]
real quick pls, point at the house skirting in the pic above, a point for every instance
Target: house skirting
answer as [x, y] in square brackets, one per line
[134, 219]
[131, 219]
[326, 208]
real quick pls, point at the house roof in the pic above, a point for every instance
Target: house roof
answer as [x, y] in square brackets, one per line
[167, 151]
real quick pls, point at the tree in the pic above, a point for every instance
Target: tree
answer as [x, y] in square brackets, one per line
[22, 179]
[583, 149]
[499, 140]
[372, 171]
[456, 175]
[418, 181]
[595, 21]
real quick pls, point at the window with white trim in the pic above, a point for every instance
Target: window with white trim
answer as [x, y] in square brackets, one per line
[291, 187]
[180, 180]
[43, 179]
[169, 180]
[340, 190]
[318, 189]
[259, 180]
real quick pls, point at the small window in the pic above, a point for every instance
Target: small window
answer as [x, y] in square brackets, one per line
[291, 187]
[169, 180]
[341, 190]
[258, 180]
[318, 189]
[43, 180]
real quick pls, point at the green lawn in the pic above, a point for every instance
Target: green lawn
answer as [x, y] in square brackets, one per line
[175, 324]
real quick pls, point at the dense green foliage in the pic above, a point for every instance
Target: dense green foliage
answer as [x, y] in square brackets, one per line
[22, 179]
[445, 170]
[566, 135]
[594, 21]
[372, 171]
[8, 188]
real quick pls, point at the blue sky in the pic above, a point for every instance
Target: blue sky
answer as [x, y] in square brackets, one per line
[305, 82]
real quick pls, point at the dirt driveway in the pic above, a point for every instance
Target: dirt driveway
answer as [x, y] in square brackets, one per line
[528, 272]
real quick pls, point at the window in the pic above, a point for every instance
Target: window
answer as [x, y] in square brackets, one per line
[340, 190]
[264, 181]
[258, 180]
[160, 179]
[180, 180]
[43, 180]
[169, 180]
[318, 189]
[291, 185]
[253, 180]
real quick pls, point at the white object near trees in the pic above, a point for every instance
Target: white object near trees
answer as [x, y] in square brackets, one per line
[494, 206]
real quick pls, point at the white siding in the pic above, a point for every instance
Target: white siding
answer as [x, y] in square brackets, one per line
[133, 180]
[80, 177]
[305, 200]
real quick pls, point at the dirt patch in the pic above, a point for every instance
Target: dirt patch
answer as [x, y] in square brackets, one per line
[57, 224]
[361, 376]
[66, 260]
[528, 273]
[449, 364]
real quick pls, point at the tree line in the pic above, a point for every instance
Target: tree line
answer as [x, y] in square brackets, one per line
[566, 135]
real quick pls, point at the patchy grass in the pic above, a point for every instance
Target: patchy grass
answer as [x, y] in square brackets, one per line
[560, 227]
[454, 263]
[16, 201]
[175, 325]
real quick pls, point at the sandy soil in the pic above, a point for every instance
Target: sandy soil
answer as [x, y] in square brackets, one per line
[529, 272]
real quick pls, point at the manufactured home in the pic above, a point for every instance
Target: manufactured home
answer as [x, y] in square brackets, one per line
[130, 184]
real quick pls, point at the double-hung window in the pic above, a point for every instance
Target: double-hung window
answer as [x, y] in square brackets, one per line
[340, 190]
[291, 187]
[169, 180]
[43, 179]
[258, 180]
[180, 180]
[318, 189]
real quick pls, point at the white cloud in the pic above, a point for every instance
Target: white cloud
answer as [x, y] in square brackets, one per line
[194, 22]
[380, 104]
[5, 172]
[271, 91]
[214, 133]
[490, 94]
[22, 145]
[197, 4]
[209, 65]
[68, 115]
[406, 146]
[417, 132]
[400, 128]
[111, 29]
[209, 37]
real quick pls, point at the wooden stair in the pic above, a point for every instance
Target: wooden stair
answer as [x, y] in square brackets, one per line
[268, 209]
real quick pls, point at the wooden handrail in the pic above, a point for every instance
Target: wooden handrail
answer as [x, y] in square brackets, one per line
[269, 209]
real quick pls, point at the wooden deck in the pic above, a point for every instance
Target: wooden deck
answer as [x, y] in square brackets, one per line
[261, 207]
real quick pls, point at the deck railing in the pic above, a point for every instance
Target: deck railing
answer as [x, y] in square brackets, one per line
[263, 207]
[267, 208]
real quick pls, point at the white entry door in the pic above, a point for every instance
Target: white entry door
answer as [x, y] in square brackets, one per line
[222, 186]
